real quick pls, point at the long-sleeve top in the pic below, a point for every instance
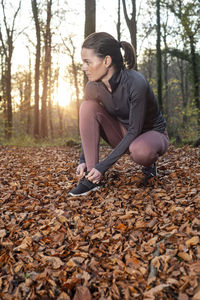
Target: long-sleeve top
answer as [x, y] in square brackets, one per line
[133, 103]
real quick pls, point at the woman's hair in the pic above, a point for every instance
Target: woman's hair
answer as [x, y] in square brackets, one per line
[105, 44]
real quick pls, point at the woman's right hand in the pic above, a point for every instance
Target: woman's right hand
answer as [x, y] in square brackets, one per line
[80, 171]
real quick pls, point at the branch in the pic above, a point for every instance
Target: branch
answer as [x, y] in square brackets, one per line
[3, 45]
[128, 21]
[14, 18]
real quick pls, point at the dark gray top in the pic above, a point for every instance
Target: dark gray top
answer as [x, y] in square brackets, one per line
[133, 103]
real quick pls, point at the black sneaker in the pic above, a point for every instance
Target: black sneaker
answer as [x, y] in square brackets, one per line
[84, 187]
[150, 171]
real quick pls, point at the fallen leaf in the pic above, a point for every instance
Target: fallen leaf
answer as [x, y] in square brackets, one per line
[185, 256]
[2, 233]
[82, 293]
[193, 241]
[196, 296]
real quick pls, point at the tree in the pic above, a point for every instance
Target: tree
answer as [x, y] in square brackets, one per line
[90, 21]
[46, 70]
[119, 21]
[28, 91]
[7, 43]
[75, 68]
[37, 66]
[159, 56]
[188, 15]
[90, 17]
[132, 24]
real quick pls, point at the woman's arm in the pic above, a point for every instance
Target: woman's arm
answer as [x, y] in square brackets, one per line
[136, 122]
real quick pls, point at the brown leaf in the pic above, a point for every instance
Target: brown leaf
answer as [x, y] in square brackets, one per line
[2, 233]
[185, 256]
[183, 296]
[193, 241]
[26, 243]
[100, 235]
[56, 262]
[63, 296]
[140, 224]
[150, 295]
[82, 293]
[196, 296]
[121, 227]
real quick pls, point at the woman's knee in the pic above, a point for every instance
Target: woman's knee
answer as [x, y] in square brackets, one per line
[143, 155]
[89, 106]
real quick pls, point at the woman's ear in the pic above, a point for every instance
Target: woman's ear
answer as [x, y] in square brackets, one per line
[108, 61]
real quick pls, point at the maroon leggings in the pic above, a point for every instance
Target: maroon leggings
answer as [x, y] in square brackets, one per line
[95, 122]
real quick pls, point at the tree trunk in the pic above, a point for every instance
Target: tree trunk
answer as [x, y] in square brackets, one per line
[75, 74]
[90, 22]
[47, 62]
[195, 78]
[165, 65]
[132, 25]
[37, 67]
[7, 49]
[182, 86]
[9, 100]
[90, 17]
[28, 98]
[50, 97]
[159, 57]
[119, 21]
[60, 118]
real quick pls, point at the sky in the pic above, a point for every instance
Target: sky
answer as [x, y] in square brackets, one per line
[73, 23]
[106, 17]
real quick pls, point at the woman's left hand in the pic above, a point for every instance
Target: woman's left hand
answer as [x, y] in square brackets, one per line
[94, 176]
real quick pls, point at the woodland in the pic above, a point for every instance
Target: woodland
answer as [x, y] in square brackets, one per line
[132, 239]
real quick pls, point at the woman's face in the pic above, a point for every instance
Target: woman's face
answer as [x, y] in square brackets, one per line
[95, 68]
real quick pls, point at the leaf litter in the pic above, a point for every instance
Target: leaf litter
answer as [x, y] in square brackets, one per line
[128, 241]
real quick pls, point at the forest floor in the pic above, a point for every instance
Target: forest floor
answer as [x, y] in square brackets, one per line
[127, 241]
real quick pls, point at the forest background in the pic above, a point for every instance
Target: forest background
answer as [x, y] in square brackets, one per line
[41, 82]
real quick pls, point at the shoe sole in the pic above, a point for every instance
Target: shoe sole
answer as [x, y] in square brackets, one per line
[84, 194]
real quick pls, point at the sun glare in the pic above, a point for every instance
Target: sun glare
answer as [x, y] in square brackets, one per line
[62, 95]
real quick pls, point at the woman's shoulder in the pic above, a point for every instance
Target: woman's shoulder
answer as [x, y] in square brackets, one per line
[91, 90]
[134, 75]
[134, 78]
[91, 85]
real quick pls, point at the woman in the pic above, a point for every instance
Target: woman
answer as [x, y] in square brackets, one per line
[119, 106]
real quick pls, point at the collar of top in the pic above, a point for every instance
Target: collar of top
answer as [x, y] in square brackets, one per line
[115, 79]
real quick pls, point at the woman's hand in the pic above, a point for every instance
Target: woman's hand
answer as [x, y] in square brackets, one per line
[94, 176]
[80, 171]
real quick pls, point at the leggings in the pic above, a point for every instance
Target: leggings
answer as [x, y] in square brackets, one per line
[96, 122]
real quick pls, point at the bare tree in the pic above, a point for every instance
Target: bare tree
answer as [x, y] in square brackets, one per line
[159, 56]
[7, 43]
[119, 20]
[185, 14]
[46, 69]
[71, 52]
[28, 91]
[37, 67]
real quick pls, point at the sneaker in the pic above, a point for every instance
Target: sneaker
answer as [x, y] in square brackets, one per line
[150, 171]
[84, 187]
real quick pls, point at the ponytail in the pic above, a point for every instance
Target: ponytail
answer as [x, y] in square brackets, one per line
[129, 57]
[105, 44]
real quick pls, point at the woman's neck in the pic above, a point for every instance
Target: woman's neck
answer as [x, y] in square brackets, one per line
[106, 78]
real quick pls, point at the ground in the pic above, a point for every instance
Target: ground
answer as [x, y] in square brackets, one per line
[126, 241]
